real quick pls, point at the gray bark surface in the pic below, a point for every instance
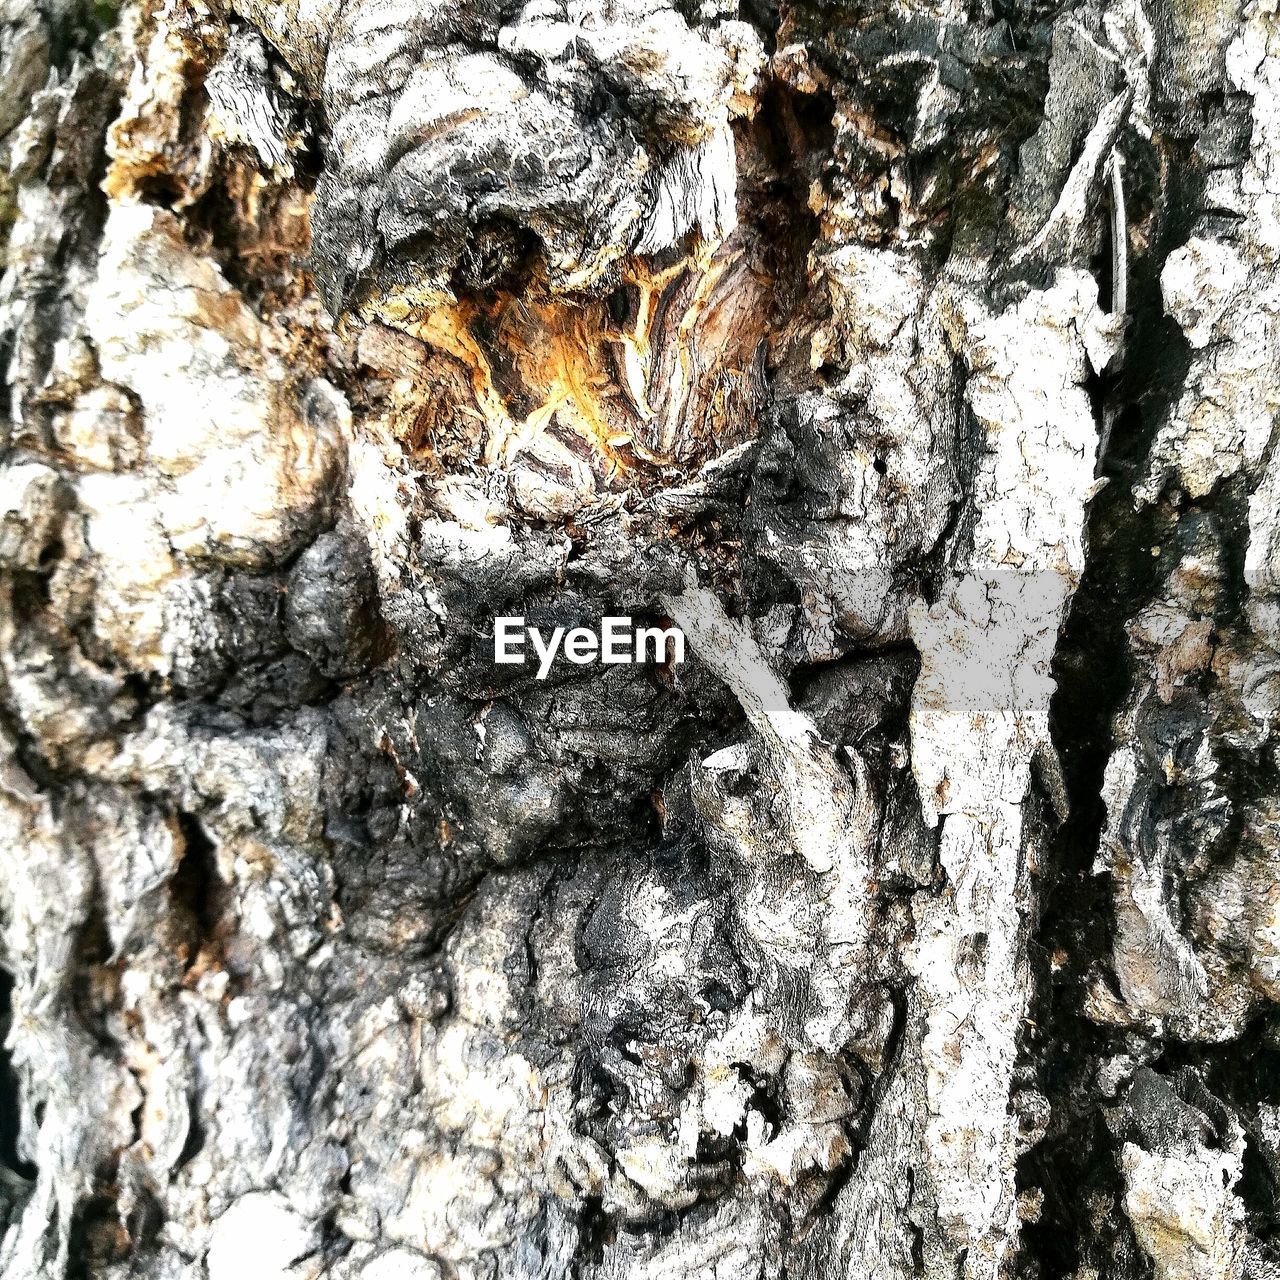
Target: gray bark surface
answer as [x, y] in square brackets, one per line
[920, 363]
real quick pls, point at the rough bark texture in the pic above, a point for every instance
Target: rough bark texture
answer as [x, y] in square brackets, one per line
[920, 362]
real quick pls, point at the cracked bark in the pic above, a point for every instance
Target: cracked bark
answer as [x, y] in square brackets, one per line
[924, 923]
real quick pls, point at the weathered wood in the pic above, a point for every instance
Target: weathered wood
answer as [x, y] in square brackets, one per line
[918, 364]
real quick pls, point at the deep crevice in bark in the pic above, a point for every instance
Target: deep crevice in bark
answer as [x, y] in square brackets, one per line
[10, 1095]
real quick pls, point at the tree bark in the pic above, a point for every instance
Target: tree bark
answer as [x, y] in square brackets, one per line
[919, 365]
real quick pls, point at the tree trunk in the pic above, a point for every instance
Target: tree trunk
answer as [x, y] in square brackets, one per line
[917, 364]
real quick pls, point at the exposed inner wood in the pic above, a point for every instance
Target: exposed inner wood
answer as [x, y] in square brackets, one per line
[600, 395]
